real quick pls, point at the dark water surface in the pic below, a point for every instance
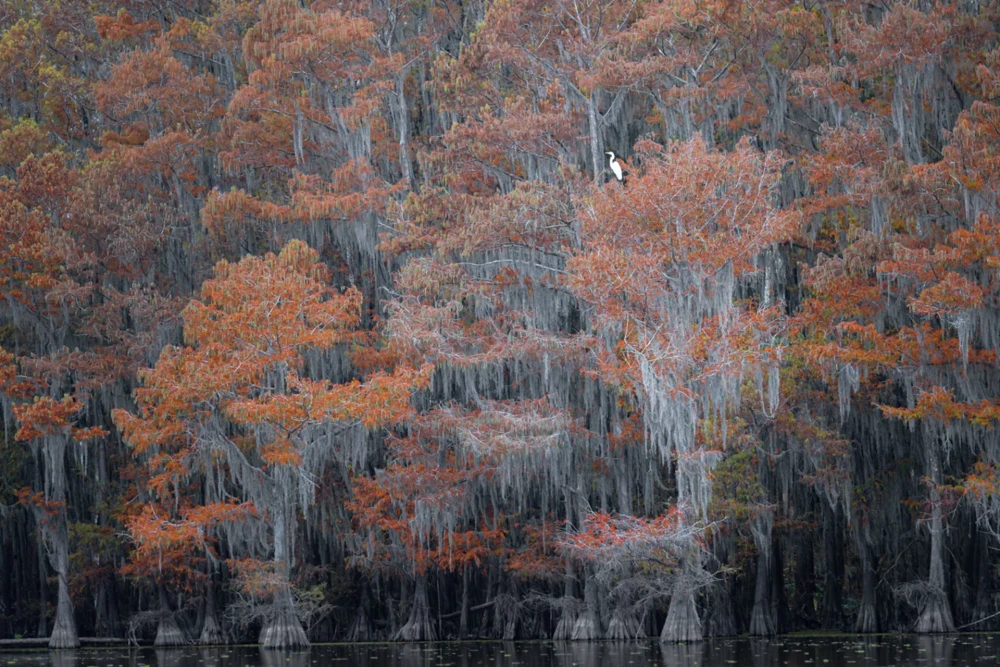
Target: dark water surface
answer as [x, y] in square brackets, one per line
[957, 651]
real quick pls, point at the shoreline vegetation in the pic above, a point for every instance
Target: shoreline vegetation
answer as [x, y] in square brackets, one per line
[411, 320]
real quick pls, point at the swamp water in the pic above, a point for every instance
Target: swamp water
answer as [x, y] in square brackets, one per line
[841, 651]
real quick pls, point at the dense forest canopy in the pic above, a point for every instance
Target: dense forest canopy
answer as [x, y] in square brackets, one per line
[328, 320]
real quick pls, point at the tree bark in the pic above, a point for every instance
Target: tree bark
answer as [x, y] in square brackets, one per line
[361, 627]
[168, 631]
[936, 613]
[403, 125]
[283, 630]
[683, 623]
[64, 634]
[211, 631]
[594, 123]
[762, 622]
[463, 623]
[624, 625]
[419, 627]
[833, 560]
[588, 624]
[567, 617]
[804, 600]
[867, 620]
[43, 586]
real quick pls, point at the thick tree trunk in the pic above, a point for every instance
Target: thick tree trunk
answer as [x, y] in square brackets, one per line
[463, 622]
[283, 630]
[419, 627]
[804, 600]
[567, 617]
[588, 624]
[168, 630]
[867, 620]
[936, 614]
[833, 560]
[64, 634]
[361, 626]
[624, 625]
[762, 622]
[683, 623]
[43, 587]
[779, 601]
[211, 631]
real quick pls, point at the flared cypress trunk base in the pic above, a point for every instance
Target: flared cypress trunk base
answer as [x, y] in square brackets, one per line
[587, 627]
[936, 616]
[867, 621]
[283, 632]
[624, 626]
[169, 633]
[64, 634]
[361, 627]
[564, 628]
[762, 621]
[211, 632]
[419, 627]
[682, 624]
[62, 638]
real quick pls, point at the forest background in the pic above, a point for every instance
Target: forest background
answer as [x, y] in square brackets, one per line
[321, 320]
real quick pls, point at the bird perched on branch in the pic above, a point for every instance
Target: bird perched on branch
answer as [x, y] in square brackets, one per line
[616, 167]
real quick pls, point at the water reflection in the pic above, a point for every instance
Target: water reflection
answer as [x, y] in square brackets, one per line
[842, 651]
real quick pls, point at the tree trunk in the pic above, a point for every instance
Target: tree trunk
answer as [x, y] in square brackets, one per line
[936, 614]
[588, 624]
[283, 630]
[867, 620]
[683, 623]
[419, 627]
[833, 561]
[596, 155]
[804, 600]
[463, 623]
[624, 625]
[43, 586]
[211, 631]
[762, 622]
[403, 123]
[567, 617]
[64, 634]
[168, 631]
[779, 601]
[361, 626]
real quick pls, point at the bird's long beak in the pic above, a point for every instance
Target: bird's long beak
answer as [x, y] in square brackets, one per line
[607, 153]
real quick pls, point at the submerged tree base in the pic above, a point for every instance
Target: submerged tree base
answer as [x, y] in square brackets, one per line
[682, 624]
[867, 621]
[624, 626]
[283, 632]
[211, 633]
[935, 617]
[419, 627]
[564, 628]
[587, 627]
[62, 638]
[361, 627]
[169, 633]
